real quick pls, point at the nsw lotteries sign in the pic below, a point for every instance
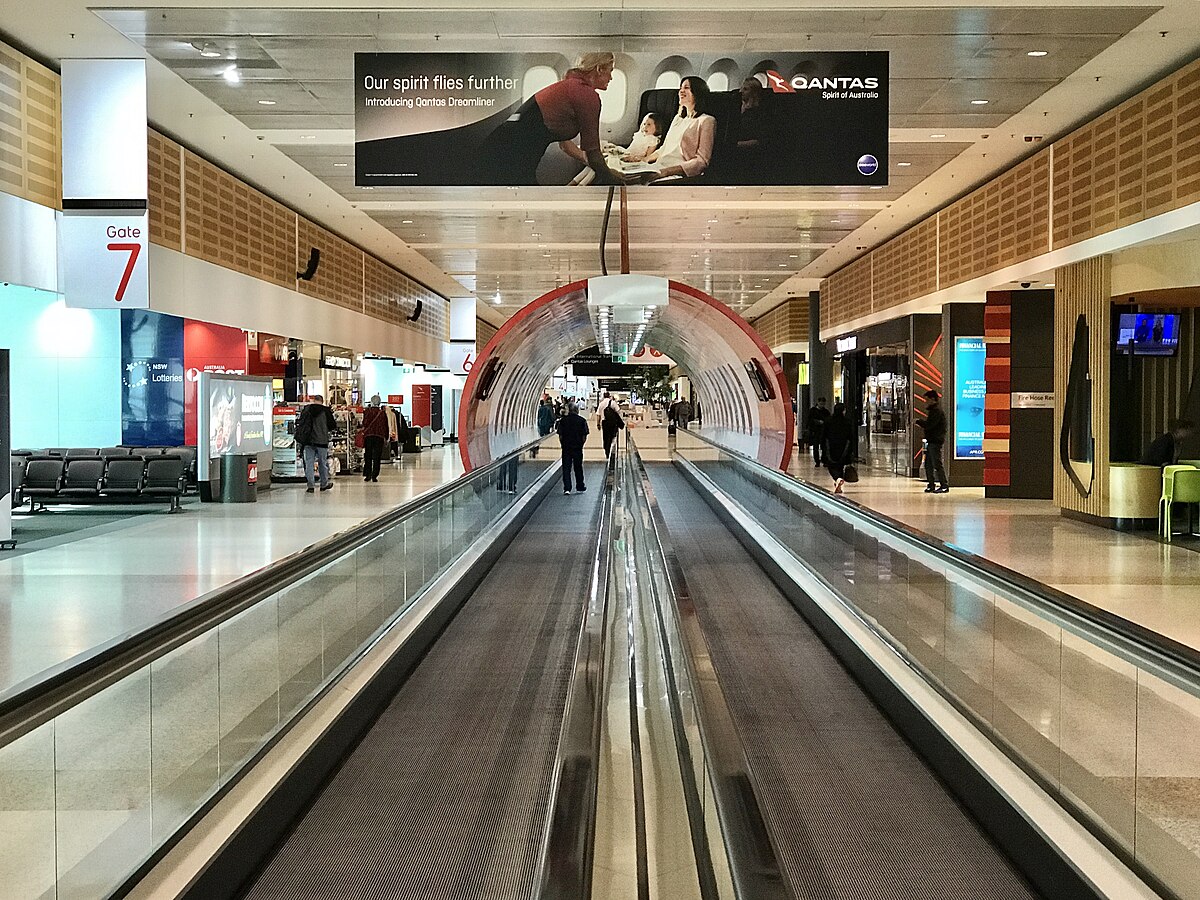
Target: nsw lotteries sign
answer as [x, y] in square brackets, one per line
[497, 119]
[970, 394]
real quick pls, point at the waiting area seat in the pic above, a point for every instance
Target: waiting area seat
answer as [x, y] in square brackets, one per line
[1181, 484]
[99, 479]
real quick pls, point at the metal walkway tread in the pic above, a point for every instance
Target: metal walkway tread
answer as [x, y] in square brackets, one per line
[446, 796]
[857, 812]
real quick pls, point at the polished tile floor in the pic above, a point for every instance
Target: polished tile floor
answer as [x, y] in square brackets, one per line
[58, 602]
[1131, 574]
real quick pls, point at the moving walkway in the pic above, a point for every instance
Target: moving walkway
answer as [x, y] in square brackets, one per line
[699, 679]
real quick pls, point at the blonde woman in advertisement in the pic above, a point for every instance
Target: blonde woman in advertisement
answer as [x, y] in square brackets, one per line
[559, 113]
[687, 149]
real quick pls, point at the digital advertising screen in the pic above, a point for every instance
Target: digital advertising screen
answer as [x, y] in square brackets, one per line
[1148, 334]
[239, 416]
[475, 119]
[970, 393]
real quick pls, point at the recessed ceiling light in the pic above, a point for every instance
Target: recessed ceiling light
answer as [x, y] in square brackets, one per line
[1036, 53]
[308, 137]
[340, 165]
[1048, 284]
[979, 102]
[266, 102]
[406, 221]
[712, 221]
[546, 255]
[207, 49]
[937, 135]
[422, 234]
[877, 187]
[535, 234]
[904, 164]
[835, 221]
[529, 221]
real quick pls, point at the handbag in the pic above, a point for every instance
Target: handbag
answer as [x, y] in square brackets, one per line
[359, 440]
[850, 474]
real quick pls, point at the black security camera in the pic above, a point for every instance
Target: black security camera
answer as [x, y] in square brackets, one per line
[1026, 284]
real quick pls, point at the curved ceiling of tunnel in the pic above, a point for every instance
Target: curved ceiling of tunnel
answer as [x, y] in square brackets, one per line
[717, 349]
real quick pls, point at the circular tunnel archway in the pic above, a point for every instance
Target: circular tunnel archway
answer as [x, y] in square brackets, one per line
[746, 402]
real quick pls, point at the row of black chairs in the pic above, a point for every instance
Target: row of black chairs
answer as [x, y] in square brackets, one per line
[187, 453]
[90, 479]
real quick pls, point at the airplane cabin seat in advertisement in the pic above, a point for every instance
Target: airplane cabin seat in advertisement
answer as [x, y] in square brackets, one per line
[739, 382]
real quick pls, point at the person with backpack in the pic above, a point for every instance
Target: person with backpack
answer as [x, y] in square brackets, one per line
[313, 428]
[611, 422]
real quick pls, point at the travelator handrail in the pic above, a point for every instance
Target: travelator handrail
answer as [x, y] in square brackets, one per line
[568, 841]
[1134, 643]
[751, 853]
[48, 694]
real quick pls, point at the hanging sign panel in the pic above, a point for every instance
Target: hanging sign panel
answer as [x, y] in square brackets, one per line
[970, 393]
[529, 118]
[105, 259]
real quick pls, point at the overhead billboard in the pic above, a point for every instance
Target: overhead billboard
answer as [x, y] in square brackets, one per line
[443, 119]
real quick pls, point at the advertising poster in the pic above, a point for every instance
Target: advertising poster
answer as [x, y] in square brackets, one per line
[970, 393]
[515, 119]
[240, 416]
[152, 379]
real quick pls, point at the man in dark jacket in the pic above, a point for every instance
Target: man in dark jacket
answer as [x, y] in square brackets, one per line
[312, 437]
[934, 426]
[545, 421]
[572, 434]
[815, 429]
[611, 422]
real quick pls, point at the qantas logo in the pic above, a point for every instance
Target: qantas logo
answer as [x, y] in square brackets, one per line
[781, 85]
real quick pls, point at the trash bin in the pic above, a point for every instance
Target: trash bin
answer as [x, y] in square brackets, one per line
[239, 478]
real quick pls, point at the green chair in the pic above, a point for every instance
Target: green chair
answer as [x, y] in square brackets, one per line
[1169, 474]
[1186, 490]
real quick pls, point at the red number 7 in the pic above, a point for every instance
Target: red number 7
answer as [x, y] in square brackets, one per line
[133, 250]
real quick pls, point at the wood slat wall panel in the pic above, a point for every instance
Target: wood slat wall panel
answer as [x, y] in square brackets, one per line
[339, 278]
[43, 135]
[12, 122]
[165, 187]
[484, 332]
[30, 129]
[785, 324]
[230, 224]
[1084, 288]
[906, 266]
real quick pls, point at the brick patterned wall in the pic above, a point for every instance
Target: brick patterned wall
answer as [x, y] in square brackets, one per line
[997, 413]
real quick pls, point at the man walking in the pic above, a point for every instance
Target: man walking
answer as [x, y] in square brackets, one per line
[814, 426]
[934, 426]
[312, 437]
[572, 434]
[611, 422]
[545, 421]
[375, 435]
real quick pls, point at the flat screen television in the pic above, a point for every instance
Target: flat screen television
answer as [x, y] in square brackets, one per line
[1148, 334]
